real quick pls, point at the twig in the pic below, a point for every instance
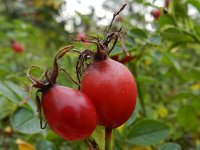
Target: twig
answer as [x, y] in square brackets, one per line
[114, 15]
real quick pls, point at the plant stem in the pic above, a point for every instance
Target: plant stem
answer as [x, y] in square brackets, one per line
[108, 139]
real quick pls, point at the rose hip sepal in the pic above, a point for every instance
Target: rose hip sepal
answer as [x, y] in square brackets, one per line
[68, 112]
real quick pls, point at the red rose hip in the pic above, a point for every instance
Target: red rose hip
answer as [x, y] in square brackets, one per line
[112, 89]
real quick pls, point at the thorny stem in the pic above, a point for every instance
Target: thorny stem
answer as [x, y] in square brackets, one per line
[108, 139]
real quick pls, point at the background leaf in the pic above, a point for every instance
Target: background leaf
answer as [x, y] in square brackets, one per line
[147, 132]
[24, 121]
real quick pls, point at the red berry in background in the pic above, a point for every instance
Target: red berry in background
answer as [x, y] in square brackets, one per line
[156, 13]
[81, 36]
[69, 112]
[17, 47]
[112, 89]
[167, 3]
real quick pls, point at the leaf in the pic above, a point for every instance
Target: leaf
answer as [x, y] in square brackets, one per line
[6, 92]
[155, 39]
[146, 79]
[194, 74]
[196, 104]
[138, 33]
[183, 120]
[166, 20]
[175, 35]
[45, 145]
[24, 121]
[181, 96]
[51, 136]
[15, 94]
[169, 146]
[147, 132]
[169, 58]
[7, 107]
[16, 89]
[99, 137]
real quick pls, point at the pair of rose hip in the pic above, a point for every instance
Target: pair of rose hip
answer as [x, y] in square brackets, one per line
[106, 96]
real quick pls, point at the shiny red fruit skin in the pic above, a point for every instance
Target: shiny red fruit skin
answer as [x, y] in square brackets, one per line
[112, 89]
[69, 112]
[17, 47]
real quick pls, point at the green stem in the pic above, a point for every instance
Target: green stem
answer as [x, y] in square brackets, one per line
[108, 139]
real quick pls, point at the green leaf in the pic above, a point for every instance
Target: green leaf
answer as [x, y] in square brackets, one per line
[99, 137]
[146, 79]
[147, 132]
[175, 35]
[186, 114]
[169, 146]
[155, 39]
[197, 29]
[194, 74]
[138, 33]
[196, 104]
[181, 96]
[6, 106]
[45, 145]
[198, 147]
[169, 58]
[52, 136]
[166, 20]
[24, 121]
[15, 94]
[16, 89]
[7, 92]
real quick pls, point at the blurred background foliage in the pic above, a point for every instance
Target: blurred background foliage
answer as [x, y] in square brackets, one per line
[164, 58]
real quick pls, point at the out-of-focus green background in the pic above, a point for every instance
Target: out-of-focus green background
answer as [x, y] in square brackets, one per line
[165, 63]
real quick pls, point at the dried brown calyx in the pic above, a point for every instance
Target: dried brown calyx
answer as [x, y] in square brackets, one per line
[104, 46]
